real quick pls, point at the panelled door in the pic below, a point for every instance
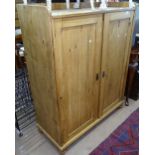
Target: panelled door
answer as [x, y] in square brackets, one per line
[77, 61]
[116, 38]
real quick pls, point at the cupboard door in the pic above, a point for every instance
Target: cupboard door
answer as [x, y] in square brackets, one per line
[77, 59]
[116, 40]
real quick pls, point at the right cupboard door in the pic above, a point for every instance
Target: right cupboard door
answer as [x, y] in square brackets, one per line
[115, 53]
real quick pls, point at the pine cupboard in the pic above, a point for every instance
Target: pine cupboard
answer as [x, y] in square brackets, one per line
[77, 65]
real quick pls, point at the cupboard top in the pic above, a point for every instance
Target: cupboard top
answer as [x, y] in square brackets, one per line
[78, 12]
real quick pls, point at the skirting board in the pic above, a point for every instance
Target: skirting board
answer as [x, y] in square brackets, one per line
[69, 142]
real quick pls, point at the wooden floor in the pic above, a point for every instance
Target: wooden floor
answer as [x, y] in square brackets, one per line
[35, 143]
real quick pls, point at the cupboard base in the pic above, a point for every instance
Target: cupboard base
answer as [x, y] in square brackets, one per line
[69, 142]
[48, 136]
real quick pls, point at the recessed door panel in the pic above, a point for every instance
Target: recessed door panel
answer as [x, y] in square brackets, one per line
[78, 65]
[114, 53]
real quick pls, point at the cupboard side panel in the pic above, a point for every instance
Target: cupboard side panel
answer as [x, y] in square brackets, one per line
[36, 30]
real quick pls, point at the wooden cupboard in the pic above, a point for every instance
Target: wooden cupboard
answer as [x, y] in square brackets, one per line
[77, 64]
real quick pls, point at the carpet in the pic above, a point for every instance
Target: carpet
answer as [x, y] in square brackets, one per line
[124, 140]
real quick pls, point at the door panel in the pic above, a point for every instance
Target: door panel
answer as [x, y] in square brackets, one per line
[115, 50]
[79, 61]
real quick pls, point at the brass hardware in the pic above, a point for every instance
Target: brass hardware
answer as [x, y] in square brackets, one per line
[100, 75]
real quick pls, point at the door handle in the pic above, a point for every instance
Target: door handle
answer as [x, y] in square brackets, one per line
[100, 75]
[103, 74]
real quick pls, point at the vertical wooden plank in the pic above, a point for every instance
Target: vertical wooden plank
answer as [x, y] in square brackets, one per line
[37, 35]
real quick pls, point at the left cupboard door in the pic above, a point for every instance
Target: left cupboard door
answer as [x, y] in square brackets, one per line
[77, 50]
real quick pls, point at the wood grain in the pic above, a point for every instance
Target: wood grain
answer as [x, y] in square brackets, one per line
[77, 65]
[37, 36]
[85, 130]
[118, 4]
[77, 54]
[115, 50]
[17, 24]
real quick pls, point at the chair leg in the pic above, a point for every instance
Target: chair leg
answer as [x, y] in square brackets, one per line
[131, 75]
[17, 127]
[126, 102]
